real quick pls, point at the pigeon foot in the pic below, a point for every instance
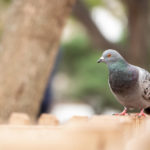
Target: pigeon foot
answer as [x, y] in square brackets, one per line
[123, 113]
[141, 113]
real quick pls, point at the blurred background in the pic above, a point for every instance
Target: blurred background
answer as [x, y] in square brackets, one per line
[78, 85]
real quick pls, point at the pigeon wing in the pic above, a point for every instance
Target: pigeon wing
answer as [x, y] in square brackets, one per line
[144, 81]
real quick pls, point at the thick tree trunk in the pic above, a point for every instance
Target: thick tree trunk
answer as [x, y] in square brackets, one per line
[138, 16]
[29, 47]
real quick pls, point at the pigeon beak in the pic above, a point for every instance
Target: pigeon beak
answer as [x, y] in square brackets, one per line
[101, 59]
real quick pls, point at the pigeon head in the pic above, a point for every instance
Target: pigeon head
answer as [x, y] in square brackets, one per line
[110, 56]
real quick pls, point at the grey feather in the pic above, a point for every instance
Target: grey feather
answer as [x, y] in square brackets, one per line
[144, 83]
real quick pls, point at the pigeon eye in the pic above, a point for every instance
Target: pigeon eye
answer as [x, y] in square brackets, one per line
[108, 55]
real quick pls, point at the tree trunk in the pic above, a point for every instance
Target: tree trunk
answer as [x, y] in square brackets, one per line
[138, 15]
[29, 46]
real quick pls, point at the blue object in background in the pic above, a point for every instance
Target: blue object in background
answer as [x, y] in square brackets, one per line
[48, 96]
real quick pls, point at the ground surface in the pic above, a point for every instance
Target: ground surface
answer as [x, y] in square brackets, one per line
[104, 132]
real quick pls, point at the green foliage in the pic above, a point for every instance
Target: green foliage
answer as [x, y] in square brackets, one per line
[5, 2]
[89, 78]
[92, 81]
[73, 51]
[93, 3]
[123, 40]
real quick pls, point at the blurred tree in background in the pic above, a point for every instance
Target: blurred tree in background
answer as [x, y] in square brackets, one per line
[137, 30]
[89, 80]
[82, 44]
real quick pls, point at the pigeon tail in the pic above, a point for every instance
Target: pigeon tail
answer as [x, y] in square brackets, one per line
[147, 110]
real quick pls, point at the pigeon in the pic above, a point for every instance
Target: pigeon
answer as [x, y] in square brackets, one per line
[130, 84]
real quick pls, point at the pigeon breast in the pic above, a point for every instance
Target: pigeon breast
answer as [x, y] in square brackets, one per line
[123, 80]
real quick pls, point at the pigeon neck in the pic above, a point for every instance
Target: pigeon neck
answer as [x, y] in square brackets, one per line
[118, 66]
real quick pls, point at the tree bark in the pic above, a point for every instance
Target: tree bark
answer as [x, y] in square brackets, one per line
[29, 46]
[138, 24]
